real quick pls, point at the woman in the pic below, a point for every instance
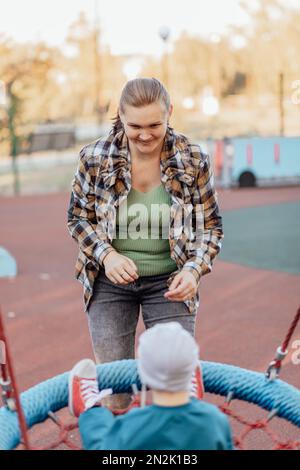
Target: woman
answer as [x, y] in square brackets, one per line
[131, 256]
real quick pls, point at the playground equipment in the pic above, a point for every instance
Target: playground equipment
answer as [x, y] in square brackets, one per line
[42, 401]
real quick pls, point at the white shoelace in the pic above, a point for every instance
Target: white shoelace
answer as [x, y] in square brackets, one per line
[91, 394]
[194, 386]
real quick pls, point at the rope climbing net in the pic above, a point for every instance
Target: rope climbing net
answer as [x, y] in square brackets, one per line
[44, 400]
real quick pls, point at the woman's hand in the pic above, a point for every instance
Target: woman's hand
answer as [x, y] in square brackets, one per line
[119, 269]
[183, 287]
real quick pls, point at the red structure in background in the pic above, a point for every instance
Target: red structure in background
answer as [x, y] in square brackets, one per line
[249, 154]
[218, 158]
[277, 153]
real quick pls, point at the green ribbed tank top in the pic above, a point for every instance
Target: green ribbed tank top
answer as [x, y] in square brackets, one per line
[142, 231]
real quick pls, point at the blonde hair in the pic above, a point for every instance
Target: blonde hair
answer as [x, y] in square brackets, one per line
[141, 92]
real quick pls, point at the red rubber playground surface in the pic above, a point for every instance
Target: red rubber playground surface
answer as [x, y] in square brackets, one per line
[244, 313]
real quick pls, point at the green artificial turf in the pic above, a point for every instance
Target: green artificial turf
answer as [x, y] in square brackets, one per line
[266, 237]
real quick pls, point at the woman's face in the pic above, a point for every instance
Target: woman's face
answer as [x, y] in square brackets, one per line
[146, 127]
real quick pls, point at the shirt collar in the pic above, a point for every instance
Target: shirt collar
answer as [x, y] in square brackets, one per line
[176, 164]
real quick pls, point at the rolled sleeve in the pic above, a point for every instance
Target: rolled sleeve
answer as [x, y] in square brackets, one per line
[82, 220]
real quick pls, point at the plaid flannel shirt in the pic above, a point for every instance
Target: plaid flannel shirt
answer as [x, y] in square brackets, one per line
[102, 182]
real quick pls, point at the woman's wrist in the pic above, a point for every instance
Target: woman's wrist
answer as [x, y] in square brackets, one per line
[107, 256]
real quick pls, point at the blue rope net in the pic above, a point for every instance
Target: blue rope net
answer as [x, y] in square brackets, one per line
[220, 379]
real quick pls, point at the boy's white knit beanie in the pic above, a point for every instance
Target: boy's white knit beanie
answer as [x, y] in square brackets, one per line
[167, 357]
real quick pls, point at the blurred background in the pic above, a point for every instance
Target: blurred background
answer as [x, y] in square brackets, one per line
[233, 72]
[232, 69]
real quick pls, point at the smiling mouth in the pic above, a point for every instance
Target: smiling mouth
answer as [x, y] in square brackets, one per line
[145, 143]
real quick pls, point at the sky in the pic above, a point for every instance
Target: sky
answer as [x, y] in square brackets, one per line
[128, 26]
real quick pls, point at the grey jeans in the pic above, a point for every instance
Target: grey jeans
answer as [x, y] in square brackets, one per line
[114, 309]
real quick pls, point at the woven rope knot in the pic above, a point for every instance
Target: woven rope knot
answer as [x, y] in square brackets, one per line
[259, 425]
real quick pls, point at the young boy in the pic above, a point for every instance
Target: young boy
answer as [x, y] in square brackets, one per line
[167, 361]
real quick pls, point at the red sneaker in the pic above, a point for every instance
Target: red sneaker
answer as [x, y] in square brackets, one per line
[83, 388]
[197, 387]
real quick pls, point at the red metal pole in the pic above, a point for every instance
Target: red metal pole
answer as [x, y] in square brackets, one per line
[9, 372]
